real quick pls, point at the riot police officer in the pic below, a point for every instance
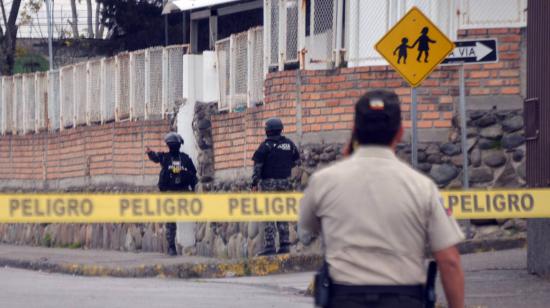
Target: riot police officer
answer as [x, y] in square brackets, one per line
[177, 173]
[273, 162]
[376, 216]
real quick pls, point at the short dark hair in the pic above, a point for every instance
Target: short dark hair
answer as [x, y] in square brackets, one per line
[377, 118]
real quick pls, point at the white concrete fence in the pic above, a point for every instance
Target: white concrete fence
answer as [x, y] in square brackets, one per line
[144, 84]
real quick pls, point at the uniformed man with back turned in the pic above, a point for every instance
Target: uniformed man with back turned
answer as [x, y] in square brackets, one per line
[273, 163]
[177, 173]
[376, 216]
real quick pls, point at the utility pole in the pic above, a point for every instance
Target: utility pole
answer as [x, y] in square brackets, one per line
[49, 9]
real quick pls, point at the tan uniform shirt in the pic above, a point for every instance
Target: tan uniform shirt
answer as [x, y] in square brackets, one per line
[377, 216]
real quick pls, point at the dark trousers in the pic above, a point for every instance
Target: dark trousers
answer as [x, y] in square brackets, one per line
[270, 228]
[346, 299]
[383, 301]
[171, 234]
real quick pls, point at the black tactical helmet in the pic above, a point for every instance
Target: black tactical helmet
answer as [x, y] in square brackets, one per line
[274, 124]
[173, 137]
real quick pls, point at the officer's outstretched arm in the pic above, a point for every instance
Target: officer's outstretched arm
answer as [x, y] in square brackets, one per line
[154, 156]
[452, 276]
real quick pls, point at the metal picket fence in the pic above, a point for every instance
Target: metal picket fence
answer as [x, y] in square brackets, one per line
[240, 69]
[130, 86]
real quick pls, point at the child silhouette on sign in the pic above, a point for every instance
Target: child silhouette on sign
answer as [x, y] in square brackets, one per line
[402, 50]
[423, 45]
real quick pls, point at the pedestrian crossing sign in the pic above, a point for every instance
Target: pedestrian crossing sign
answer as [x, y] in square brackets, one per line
[414, 47]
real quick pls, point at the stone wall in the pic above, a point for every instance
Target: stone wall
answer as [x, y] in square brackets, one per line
[496, 155]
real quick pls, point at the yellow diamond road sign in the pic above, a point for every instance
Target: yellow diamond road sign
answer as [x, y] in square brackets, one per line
[414, 47]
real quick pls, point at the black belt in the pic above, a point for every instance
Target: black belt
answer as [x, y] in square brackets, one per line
[416, 291]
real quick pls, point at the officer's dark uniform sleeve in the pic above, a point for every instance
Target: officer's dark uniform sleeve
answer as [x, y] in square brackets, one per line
[191, 168]
[259, 158]
[155, 156]
[295, 156]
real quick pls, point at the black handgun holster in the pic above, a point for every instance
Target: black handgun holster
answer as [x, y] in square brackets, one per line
[321, 286]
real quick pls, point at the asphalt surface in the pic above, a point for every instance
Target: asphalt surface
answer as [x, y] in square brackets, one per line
[495, 279]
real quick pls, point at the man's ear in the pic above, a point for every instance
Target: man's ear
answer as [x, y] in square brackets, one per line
[398, 137]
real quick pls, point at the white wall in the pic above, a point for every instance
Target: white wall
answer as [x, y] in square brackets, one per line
[200, 84]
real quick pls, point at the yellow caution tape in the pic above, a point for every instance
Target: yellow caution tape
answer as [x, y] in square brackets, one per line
[102, 208]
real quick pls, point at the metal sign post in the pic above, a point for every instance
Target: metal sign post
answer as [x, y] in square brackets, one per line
[463, 129]
[414, 124]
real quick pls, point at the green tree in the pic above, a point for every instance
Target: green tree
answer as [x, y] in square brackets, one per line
[138, 24]
[8, 36]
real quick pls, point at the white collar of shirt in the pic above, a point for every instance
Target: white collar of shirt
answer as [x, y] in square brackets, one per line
[374, 151]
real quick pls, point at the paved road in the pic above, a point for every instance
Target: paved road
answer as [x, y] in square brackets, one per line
[496, 279]
[22, 288]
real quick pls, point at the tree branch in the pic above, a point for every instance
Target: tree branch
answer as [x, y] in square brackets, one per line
[3, 14]
[15, 5]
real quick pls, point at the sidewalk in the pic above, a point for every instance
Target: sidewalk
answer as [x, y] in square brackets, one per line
[127, 264]
[144, 264]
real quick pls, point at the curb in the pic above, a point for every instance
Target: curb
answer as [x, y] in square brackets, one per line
[258, 266]
[486, 245]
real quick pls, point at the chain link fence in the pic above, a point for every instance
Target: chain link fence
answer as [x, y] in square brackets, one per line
[256, 89]
[296, 25]
[138, 85]
[223, 56]
[240, 69]
[272, 22]
[122, 87]
[492, 13]
[174, 55]
[153, 72]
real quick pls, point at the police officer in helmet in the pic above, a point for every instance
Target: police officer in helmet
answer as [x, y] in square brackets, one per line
[177, 173]
[377, 216]
[273, 162]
